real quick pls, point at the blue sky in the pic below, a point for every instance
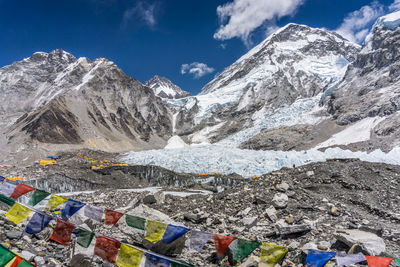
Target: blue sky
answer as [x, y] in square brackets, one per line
[187, 41]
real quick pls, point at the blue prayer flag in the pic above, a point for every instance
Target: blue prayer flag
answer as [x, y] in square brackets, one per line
[156, 261]
[317, 258]
[2, 178]
[37, 223]
[173, 232]
[71, 207]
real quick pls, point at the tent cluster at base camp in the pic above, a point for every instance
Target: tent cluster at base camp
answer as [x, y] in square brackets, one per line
[68, 220]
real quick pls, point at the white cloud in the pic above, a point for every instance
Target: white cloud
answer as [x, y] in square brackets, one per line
[240, 17]
[356, 24]
[197, 69]
[142, 11]
[395, 5]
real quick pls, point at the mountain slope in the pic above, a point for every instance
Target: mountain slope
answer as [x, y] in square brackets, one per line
[164, 88]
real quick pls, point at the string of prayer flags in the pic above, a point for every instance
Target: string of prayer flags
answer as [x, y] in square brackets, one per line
[21, 189]
[222, 242]
[18, 213]
[397, 261]
[107, 248]
[155, 230]
[343, 259]
[244, 248]
[85, 237]
[62, 232]
[173, 232]
[7, 200]
[38, 222]
[5, 255]
[135, 222]
[155, 261]
[7, 188]
[54, 202]
[37, 196]
[129, 256]
[93, 212]
[317, 258]
[71, 207]
[374, 261]
[271, 254]
[198, 239]
[112, 217]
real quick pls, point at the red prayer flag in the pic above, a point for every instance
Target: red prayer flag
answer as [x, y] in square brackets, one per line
[16, 262]
[374, 261]
[112, 217]
[62, 232]
[107, 248]
[222, 242]
[20, 190]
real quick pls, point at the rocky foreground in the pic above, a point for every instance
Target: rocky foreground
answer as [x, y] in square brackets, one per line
[335, 205]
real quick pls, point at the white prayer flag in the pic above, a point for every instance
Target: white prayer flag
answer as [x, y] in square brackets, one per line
[94, 213]
[347, 259]
[198, 239]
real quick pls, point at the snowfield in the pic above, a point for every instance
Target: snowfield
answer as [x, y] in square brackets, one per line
[248, 163]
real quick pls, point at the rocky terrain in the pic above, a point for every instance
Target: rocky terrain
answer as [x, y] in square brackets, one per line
[164, 88]
[327, 206]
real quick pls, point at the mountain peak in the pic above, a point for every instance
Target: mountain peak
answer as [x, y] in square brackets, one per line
[164, 88]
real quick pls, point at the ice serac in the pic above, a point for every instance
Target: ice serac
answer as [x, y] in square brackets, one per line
[59, 99]
[296, 62]
[164, 88]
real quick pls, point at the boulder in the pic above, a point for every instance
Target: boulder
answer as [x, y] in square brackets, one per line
[250, 221]
[370, 243]
[280, 200]
[271, 213]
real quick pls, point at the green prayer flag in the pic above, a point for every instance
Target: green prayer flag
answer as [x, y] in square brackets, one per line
[37, 196]
[181, 264]
[397, 261]
[9, 201]
[5, 256]
[135, 222]
[244, 248]
[85, 237]
[24, 263]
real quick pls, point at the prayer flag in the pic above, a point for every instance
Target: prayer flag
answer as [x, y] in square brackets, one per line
[271, 254]
[14, 262]
[18, 213]
[155, 230]
[71, 207]
[180, 264]
[112, 217]
[7, 188]
[347, 259]
[244, 248]
[37, 196]
[38, 222]
[397, 261]
[317, 258]
[54, 202]
[198, 239]
[135, 222]
[2, 178]
[107, 248]
[20, 190]
[94, 213]
[155, 261]
[25, 263]
[7, 200]
[5, 255]
[173, 232]
[222, 242]
[62, 232]
[129, 256]
[374, 261]
[85, 237]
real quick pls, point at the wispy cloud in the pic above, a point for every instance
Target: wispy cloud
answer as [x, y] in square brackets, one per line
[395, 5]
[142, 11]
[241, 17]
[357, 24]
[197, 69]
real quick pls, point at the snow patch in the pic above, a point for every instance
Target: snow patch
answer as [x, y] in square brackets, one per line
[175, 142]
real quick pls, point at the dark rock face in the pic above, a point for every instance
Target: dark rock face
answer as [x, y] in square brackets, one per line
[371, 86]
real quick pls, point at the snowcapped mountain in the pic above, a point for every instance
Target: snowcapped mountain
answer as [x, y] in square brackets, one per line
[59, 99]
[164, 88]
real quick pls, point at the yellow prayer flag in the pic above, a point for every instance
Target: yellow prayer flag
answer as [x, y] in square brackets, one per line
[271, 254]
[155, 230]
[129, 256]
[54, 202]
[18, 213]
